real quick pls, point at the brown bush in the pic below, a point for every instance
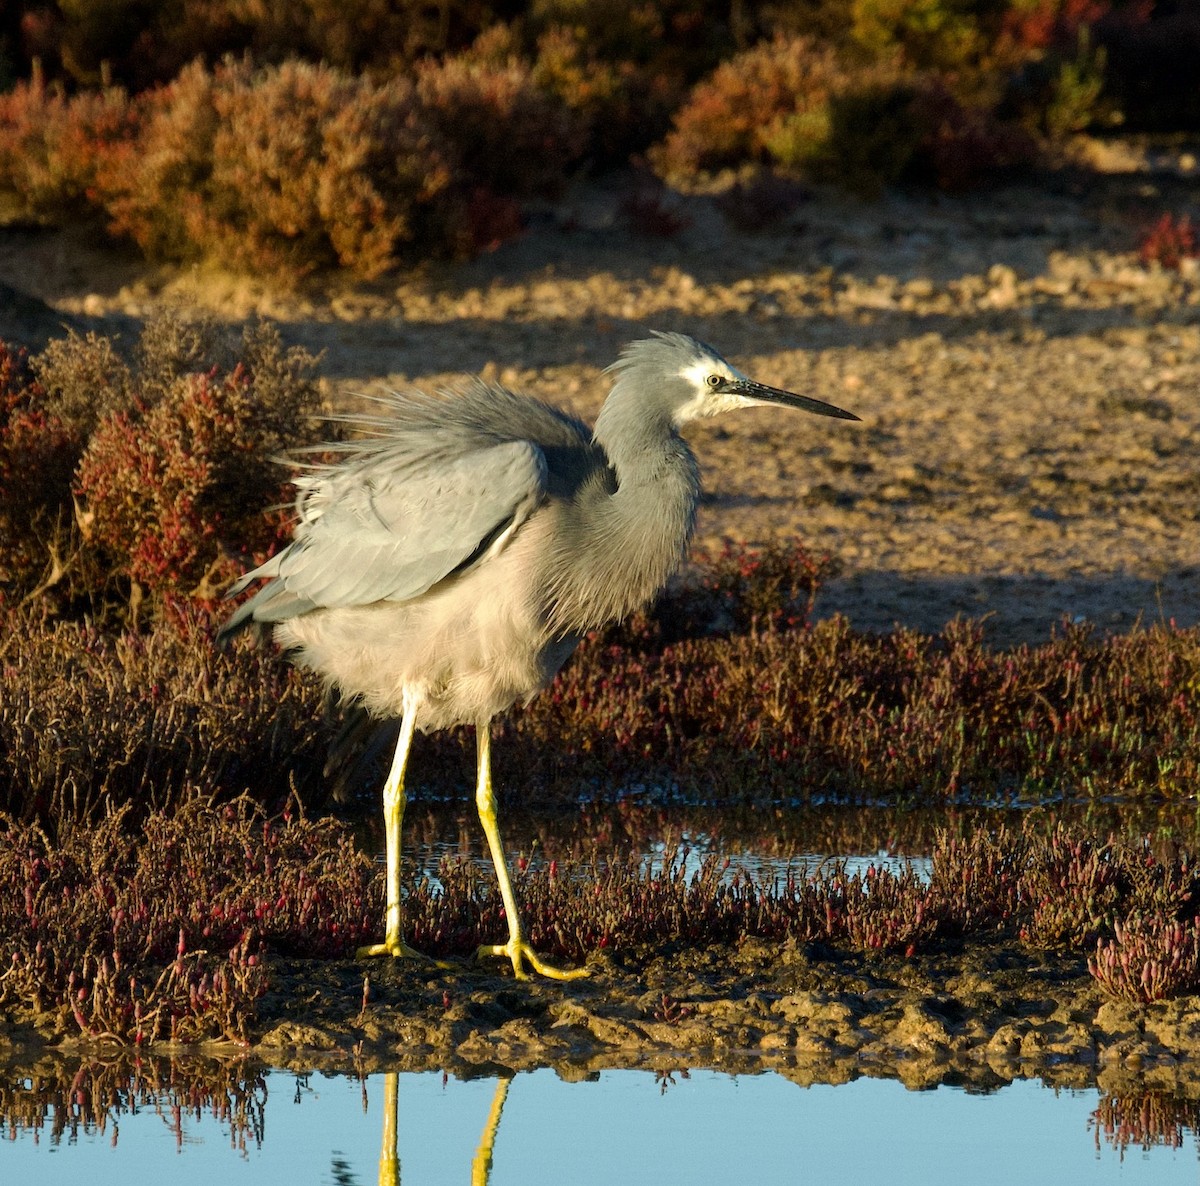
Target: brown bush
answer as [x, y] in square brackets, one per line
[83, 378]
[290, 168]
[155, 191]
[54, 152]
[506, 132]
[622, 105]
[38, 453]
[91, 720]
[797, 104]
[732, 115]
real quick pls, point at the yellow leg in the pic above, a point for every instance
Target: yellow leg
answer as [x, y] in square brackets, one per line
[481, 1167]
[394, 800]
[516, 948]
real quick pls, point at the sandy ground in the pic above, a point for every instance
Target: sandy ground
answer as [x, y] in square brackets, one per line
[1028, 388]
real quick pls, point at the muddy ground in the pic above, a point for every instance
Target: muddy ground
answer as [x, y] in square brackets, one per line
[1030, 396]
[978, 1013]
[980, 1016]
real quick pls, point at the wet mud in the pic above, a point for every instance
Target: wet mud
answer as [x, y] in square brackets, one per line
[979, 1015]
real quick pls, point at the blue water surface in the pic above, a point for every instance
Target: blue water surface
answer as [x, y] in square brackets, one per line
[615, 1127]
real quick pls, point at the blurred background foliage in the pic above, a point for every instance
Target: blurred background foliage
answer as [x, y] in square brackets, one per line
[366, 134]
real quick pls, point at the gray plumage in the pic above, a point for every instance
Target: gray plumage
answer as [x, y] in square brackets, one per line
[448, 562]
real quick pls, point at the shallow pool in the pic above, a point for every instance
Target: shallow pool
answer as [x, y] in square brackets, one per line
[610, 1127]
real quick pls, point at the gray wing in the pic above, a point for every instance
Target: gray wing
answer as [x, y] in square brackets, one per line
[372, 530]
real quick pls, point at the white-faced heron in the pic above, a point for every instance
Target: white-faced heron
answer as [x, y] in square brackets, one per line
[450, 561]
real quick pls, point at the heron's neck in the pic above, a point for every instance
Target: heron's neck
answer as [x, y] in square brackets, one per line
[637, 534]
[656, 472]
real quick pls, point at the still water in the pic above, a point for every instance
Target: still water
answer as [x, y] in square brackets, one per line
[274, 1126]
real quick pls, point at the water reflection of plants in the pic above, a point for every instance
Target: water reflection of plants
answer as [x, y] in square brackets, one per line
[1145, 1120]
[64, 1099]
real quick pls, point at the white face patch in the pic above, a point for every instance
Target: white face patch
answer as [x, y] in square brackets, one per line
[707, 402]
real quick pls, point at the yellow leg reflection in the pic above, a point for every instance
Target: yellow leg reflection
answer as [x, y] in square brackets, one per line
[389, 1158]
[516, 948]
[481, 1167]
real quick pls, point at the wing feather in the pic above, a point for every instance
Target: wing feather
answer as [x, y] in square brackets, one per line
[376, 532]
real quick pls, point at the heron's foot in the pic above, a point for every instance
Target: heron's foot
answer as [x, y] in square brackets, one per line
[520, 952]
[397, 948]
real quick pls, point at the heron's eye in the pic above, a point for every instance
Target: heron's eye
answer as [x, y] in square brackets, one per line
[714, 381]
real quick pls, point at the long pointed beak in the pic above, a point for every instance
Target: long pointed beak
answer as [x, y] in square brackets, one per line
[749, 389]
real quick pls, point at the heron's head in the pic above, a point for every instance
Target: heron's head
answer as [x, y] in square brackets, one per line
[688, 380]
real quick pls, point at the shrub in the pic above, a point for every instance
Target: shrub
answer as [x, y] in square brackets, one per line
[82, 379]
[622, 106]
[289, 168]
[930, 34]
[175, 485]
[961, 145]
[1148, 959]
[793, 103]
[797, 104]
[1170, 241]
[862, 139]
[39, 449]
[157, 934]
[156, 192]
[505, 132]
[1040, 24]
[94, 719]
[1061, 90]
[54, 153]
[731, 116]
[166, 466]
[38, 454]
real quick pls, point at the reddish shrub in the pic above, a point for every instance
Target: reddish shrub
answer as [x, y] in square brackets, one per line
[1149, 959]
[38, 452]
[1038, 24]
[505, 132]
[172, 487]
[731, 116]
[53, 152]
[155, 193]
[1170, 241]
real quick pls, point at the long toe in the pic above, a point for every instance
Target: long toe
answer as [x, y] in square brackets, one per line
[521, 953]
[398, 949]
